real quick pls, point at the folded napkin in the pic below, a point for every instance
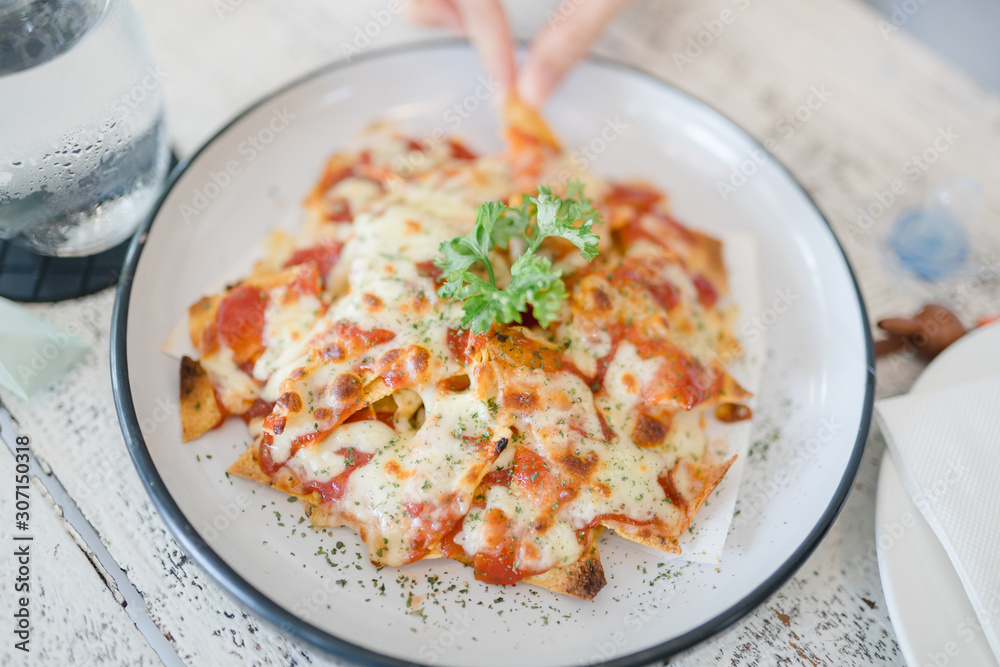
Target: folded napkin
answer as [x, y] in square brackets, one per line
[946, 444]
[33, 353]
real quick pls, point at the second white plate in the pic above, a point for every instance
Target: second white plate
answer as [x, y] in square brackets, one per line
[933, 618]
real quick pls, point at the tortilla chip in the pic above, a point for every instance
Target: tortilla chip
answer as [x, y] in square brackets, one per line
[525, 126]
[583, 579]
[200, 410]
[706, 258]
[692, 484]
[247, 467]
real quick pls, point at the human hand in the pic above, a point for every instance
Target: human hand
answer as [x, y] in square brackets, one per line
[553, 52]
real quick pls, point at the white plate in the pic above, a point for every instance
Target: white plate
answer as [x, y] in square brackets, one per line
[814, 408]
[932, 615]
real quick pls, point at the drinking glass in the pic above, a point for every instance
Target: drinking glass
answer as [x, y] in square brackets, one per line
[83, 145]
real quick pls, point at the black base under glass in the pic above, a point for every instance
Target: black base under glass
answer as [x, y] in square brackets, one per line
[28, 276]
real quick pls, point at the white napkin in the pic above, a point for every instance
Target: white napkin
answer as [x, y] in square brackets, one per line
[946, 444]
[33, 353]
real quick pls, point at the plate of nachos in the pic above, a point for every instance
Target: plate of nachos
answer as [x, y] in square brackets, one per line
[465, 384]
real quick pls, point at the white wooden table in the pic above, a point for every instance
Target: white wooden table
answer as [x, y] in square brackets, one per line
[110, 584]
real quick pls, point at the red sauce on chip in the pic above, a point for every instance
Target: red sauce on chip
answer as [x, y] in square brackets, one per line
[259, 408]
[459, 151]
[498, 568]
[458, 342]
[707, 295]
[640, 197]
[324, 256]
[368, 413]
[353, 334]
[338, 209]
[240, 322]
[333, 489]
[430, 270]
[665, 293]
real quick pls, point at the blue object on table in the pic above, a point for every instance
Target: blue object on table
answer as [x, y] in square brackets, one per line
[929, 243]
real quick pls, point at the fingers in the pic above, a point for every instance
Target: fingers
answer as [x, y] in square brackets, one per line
[485, 23]
[435, 12]
[561, 44]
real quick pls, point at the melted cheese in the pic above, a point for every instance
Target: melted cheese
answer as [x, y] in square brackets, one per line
[424, 483]
[385, 291]
[624, 480]
[286, 326]
[584, 347]
[323, 462]
[236, 389]
[435, 468]
[404, 488]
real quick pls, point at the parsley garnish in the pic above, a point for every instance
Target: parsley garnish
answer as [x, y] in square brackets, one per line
[533, 280]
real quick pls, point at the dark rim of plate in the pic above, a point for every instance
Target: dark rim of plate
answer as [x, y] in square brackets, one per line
[283, 619]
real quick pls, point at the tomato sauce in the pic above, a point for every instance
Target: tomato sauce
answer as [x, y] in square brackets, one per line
[500, 477]
[334, 173]
[642, 198]
[500, 568]
[707, 295]
[361, 339]
[338, 210]
[458, 345]
[638, 272]
[665, 293]
[459, 151]
[324, 256]
[307, 282]
[240, 322]
[679, 377]
[333, 489]
[267, 464]
[498, 562]
[307, 440]
[673, 495]
[368, 413]
[644, 227]
[259, 408]
[601, 371]
[429, 269]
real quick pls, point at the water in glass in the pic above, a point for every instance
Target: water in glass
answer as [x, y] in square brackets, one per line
[83, 147]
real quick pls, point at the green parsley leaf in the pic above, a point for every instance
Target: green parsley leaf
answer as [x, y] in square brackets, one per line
[533, 280]
[541, 285]
[462, 252]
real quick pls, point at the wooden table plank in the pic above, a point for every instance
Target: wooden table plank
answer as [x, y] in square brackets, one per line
[76, 435]
[76, 618]
[888, 99]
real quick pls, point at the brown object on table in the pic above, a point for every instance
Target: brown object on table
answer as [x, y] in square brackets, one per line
[928, 332]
